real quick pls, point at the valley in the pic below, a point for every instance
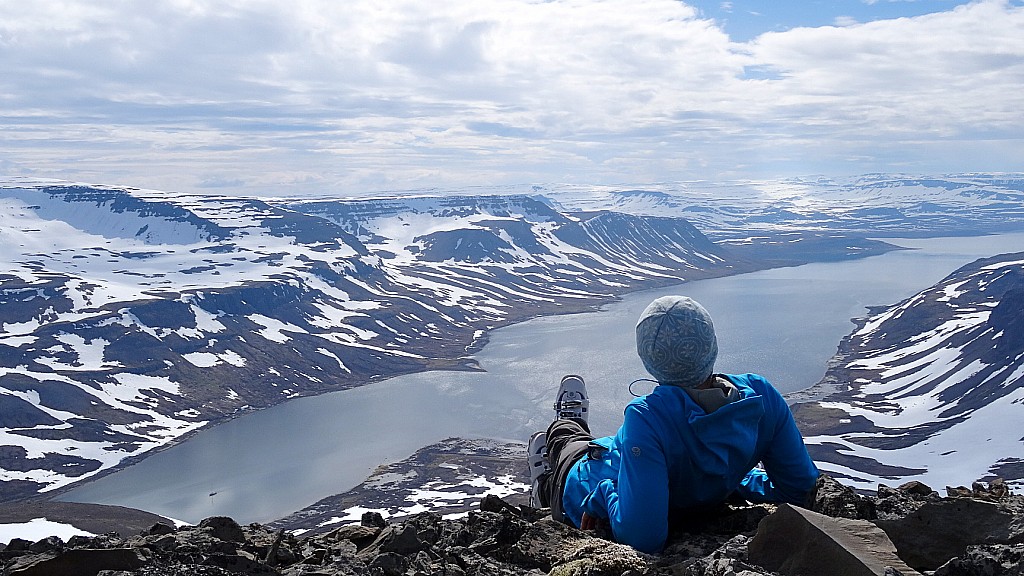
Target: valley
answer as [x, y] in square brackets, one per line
[133, 318]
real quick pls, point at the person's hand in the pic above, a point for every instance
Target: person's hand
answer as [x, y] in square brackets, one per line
[588, 522]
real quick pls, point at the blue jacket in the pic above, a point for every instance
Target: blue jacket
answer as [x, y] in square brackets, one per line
[669, 455]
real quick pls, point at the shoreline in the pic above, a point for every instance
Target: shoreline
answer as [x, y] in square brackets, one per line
[469, 364]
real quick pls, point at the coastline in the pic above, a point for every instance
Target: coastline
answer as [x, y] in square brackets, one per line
[468, 364]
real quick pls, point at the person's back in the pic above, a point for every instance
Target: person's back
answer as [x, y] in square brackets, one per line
[670, 455]
[692, 442]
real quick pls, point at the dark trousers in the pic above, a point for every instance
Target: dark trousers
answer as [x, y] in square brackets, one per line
[568, 441]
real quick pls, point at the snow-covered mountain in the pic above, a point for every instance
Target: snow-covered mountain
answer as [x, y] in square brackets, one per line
[873, 204]
[130, 318]
[930, 389]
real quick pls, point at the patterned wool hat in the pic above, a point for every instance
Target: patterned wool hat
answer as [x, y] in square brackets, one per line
[676, 341]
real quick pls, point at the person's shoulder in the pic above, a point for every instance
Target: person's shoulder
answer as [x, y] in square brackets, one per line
[757, 383]
[663, 399]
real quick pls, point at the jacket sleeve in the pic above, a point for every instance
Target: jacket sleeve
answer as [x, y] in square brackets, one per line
[789, 473]
[636, 504]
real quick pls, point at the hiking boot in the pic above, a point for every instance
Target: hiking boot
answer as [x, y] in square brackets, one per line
[537, 457]
[572, 401]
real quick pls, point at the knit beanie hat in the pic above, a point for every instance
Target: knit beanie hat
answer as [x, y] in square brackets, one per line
[676, 341]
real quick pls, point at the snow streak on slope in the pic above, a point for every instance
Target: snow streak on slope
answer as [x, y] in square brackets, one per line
[129, 318]
[936, 385]
[518, 248]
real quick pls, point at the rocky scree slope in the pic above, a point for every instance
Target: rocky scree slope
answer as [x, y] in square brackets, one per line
[906, 530]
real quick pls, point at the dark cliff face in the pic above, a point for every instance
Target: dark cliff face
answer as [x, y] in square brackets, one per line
[90, 206]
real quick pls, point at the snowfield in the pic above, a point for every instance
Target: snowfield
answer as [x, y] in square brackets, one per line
[940, 379]
[131, 318]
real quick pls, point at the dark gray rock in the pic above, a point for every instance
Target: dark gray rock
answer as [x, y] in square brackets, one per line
[720, 567]
[834, 499]
[48, 544]
[595, 557]
[18, 545]
[794, 541]
[358, 534]
[223, 528]
[78, 562]
[373, 519]
[542, 545]
[239, 563]
[400, 539]
[390, 564]
[501, 539]
[160, 528]
[899, 502]
[918, 490]
[986, 560]
[939, 531]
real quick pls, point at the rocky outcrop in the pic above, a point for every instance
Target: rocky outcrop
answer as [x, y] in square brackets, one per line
[500, 539]
[797, 541]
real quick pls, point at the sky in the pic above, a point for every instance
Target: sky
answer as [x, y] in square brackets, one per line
[347, 97]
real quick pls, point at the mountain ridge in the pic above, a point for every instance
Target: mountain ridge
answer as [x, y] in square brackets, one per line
[141, 314]
[913, 389]
[211, 307]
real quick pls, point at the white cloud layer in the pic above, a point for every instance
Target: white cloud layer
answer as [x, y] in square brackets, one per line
[268, 96]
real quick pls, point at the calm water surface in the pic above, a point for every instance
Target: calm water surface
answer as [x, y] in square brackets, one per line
[784, 324]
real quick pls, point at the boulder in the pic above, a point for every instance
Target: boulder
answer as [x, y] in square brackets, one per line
[403, 539]
[223, 528]
[373, 520]
[159, 529]
[78, 562]
[793, 541]
[543, 544]
[940, 531]
[986, 560]
[239, 563]
[358, 534]
[48, 544]
[834, 499]
[903, 501]
[390, 564]
[918, 490]
[596, 557]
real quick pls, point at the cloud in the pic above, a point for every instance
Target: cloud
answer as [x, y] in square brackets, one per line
[265, 96]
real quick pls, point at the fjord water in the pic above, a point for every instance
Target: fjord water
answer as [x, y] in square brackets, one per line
[784, 324]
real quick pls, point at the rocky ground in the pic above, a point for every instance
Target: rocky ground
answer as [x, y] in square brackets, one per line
[448, 478]
[905, 530]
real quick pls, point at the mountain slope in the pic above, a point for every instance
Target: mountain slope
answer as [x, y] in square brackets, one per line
[930, 388]
[129, 318]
